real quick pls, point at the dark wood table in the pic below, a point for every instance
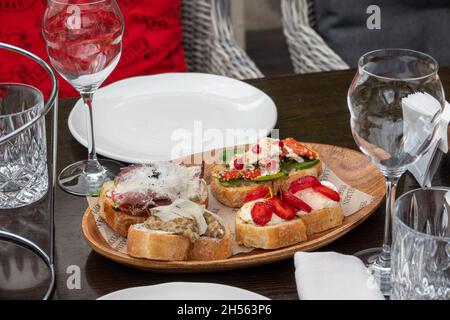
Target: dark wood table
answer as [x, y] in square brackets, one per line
[311, 108]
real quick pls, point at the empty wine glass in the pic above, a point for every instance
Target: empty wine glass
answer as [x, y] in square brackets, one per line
[84, 43]
[395, 101]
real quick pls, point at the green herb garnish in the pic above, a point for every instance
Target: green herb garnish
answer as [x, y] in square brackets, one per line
[116, 205]
[94, 193]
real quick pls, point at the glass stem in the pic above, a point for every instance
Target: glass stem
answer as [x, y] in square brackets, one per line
[92, 166]
[391, 188]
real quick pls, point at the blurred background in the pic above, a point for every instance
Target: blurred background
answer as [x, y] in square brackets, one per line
[259, 29]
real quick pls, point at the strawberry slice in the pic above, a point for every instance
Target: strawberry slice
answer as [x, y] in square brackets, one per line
[282, 209]
[296, 202]
[303, 183]
[258, 193]
[327, 192]
[262, 213]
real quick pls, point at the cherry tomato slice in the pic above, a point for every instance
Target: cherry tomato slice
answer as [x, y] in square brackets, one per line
[262, 213]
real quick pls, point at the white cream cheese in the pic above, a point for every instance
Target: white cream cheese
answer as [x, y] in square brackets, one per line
[315, 199]
[246, 214]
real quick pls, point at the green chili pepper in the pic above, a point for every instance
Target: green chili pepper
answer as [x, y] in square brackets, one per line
[305, 165]
[271, 177]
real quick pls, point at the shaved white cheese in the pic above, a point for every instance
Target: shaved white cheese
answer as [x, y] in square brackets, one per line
[292, 155]
[165, 179]
[181, 208]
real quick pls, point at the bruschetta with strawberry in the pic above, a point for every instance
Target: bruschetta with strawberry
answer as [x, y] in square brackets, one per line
[267, 222]
[318, 203]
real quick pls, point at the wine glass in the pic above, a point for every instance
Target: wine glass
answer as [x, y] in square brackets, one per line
[395, 101]
[84, 43]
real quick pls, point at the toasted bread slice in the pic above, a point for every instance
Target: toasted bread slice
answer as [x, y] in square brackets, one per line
[160, 245]
[270, 237]
[234, 196]
[323, 219]
[283, 183]
[117, 220]
[120, 221]
[208, 249]
[157, 245]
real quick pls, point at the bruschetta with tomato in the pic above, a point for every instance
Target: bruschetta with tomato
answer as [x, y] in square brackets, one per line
[270, 163]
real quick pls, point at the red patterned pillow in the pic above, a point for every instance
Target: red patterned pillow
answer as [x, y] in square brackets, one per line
[152, 41]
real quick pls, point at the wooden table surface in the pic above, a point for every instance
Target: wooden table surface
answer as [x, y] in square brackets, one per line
[310, 108]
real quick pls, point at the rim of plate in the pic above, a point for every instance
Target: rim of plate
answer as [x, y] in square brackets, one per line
[110, 296]
[125, 158]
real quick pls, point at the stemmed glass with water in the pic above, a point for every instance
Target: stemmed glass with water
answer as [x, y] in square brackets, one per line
[395, 101]
[84, 43]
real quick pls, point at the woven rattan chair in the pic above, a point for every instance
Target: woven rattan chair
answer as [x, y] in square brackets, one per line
[209, 41]
[308, 50]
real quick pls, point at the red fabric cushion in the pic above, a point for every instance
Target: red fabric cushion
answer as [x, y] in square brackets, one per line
[151, 43]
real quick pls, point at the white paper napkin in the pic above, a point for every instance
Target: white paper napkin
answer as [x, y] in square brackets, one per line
[333, 276]
[415, 117]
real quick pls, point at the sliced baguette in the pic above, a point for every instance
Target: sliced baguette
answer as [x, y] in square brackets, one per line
[160, 245]
[234, 196]
[157, 245]
[323, 219]
[208, 249]
[270, 237]
[117, 220]
[120, 221]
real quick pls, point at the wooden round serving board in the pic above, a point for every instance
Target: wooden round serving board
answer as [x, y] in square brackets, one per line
[349, 165]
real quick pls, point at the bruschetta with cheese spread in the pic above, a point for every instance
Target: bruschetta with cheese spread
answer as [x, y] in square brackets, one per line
[183, 230]
[138, 188]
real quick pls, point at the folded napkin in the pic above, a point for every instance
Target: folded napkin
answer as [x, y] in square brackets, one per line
[333, 276]
[418, 110]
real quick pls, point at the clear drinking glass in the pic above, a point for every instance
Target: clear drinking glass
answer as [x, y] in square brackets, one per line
[395, 101]
[84, 43]
[421, 245]
[23, 164]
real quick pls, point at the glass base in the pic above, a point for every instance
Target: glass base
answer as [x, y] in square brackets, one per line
[379, 268]
[86, 177]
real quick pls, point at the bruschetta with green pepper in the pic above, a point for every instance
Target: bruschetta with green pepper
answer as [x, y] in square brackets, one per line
[272, 163]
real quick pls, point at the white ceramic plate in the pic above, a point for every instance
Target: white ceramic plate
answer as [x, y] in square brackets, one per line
[184, 291]
[152, 117]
